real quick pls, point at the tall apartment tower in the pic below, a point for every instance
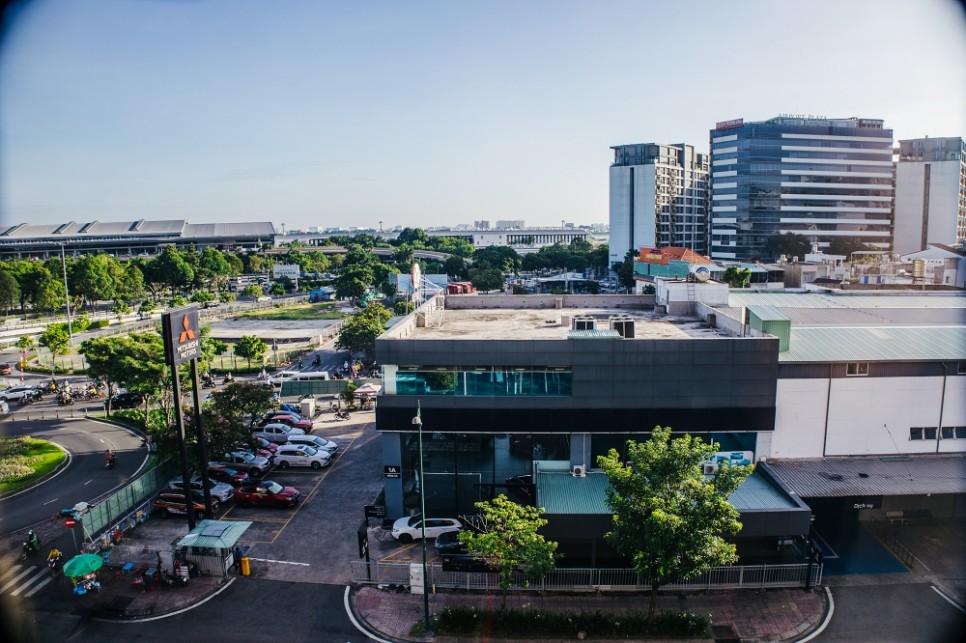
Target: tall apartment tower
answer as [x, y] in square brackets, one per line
[658, 197]
[930, 193]
[817, 177]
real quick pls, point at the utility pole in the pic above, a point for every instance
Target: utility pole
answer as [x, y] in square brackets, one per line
[63, 263]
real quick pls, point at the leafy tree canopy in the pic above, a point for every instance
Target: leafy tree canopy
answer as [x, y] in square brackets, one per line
[736, 277]
[358, 333]
[669, 518]
[251, 347]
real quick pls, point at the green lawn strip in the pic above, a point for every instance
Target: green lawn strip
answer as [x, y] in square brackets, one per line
[296, 312]
[26, 460]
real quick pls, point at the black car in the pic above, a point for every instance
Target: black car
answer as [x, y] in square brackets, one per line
[125, 400]
[449, 543]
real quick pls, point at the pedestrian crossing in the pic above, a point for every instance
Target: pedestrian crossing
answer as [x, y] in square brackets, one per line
[24, 580]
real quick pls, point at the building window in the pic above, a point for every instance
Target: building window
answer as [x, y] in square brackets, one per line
[922, 433]
[857, 369]
[953, 433]
[961, 368]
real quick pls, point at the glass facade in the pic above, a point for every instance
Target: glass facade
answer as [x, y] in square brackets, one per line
[814, 177]
[492, 381]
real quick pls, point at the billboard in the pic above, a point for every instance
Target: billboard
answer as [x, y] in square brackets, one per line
[291, 271]
[182, 338]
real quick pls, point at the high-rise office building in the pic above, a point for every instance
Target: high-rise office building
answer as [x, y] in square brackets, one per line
[821, 178]
[930, 193]
[658, 197]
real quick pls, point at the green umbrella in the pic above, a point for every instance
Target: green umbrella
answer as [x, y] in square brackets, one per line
[82, 565]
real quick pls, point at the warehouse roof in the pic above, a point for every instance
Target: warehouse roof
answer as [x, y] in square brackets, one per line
[875, 343]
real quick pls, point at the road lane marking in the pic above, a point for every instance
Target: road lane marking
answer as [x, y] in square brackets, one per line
[948, 599]
[280, 562]
[50, 501]
[40, 574]
[34, 590]
[348, 611]
[16, 578]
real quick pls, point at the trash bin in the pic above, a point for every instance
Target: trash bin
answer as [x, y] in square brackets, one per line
[246, 568]
[307, 407]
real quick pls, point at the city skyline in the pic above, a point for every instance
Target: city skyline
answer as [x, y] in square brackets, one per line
[321, 114]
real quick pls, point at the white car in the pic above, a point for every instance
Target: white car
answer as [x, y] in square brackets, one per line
[315, 442]
[220, 490]
[15, 392]
[300, 455]
[277, 433]
[408, 529]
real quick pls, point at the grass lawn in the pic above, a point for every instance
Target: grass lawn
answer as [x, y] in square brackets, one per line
[25, 460]
[298, 311]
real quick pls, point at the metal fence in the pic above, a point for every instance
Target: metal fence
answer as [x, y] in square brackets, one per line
[116, 511]
[733, 577]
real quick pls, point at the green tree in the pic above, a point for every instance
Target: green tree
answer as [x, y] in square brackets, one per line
[135, 362]
[415, 237]
[131, 287]
[242, 405]
[171, 269]
[57, 340]
[213, 268]
[93, 277]
[251, 347]
[455, 267]
[486, 279]
[736, 277]
[353, 282]
[252, 291]
[358, 333]
[669, 517]
[9, 291]
[625, 270]
[24, 344]
[503, 258]
[403, 307]
[507, 538]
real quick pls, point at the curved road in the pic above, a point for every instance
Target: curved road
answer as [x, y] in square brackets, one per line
[83, 479]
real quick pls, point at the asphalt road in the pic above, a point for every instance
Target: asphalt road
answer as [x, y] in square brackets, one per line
[85, 476]
[897, 612]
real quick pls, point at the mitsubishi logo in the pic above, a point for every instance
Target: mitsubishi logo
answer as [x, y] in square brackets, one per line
[187, 333]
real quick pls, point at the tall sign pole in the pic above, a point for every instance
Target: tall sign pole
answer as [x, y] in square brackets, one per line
[182, 343]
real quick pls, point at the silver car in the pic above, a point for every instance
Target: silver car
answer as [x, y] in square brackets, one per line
[220, 490]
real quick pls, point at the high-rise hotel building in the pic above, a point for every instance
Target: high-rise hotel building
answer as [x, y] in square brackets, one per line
[817, 177]
[930, 193]
[658, 197]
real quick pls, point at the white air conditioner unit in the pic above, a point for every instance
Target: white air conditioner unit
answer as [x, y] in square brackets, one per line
[709, 468]
[579, 471]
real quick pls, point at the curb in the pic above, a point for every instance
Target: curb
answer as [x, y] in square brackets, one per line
[149, 615]
[817, 630]
[365, 626]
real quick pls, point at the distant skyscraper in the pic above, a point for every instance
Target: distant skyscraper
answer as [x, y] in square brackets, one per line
[822, 178]
[658, 197]
[930, 193]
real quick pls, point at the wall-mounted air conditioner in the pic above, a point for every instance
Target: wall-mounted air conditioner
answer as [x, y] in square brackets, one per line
[579, 471]
[710, 468]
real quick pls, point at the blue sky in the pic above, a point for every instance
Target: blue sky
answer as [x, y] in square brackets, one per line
[318, 113]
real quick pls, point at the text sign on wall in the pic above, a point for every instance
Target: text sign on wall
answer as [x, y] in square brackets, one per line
[391, 471]
[285, 270]
[182, 338]
[732, 124]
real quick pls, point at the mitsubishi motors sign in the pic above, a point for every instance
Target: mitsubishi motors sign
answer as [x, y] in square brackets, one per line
[182, 338]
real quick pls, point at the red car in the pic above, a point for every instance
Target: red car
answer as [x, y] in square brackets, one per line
[221, 473]
[294, 421]
[260, 447]
[267, 493]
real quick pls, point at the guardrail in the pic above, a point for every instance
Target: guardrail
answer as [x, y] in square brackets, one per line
[730, 577]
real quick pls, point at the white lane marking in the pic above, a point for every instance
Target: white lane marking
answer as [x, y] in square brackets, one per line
[174, 613]
[40, 574]
[356, 623]
[7, 573]
[50, 501]
[16, 578]
[825, 622]
[948, 599]
[34, 590]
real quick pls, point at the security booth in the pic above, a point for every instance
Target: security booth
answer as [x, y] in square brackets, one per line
[210, 546]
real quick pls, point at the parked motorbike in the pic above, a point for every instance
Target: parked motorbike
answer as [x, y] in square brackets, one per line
[341, 415]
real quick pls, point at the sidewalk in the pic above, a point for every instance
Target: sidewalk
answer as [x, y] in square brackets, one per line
[767, 615]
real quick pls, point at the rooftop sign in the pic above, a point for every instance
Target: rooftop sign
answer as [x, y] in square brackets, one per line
[732, 124]
[182, 337]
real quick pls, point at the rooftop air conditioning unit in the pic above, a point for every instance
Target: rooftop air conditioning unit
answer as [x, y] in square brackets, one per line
[579, 471]
[710, 468]
[584, 323]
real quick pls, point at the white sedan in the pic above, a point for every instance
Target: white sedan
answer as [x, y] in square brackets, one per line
[300, 455]
[408, 529]
[277, 433]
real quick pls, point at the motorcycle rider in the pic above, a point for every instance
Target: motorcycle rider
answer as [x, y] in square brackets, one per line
[110, 458]
[33, 541]
[53, 559]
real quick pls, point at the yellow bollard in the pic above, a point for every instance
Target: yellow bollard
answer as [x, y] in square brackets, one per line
[245, 566]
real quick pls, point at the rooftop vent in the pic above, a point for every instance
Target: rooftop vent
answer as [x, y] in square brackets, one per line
[584, 323]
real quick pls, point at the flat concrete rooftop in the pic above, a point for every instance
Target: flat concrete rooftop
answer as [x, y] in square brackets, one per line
[528, 323]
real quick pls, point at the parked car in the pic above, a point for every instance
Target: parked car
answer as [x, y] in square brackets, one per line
[220, 490]
[14, 393]
[267, 493]
[277, 433]
[125, 400]
[408, 529]
[255, 466]
[316, 442]
[300, 455]
[289, 419]
[291, 408]
[227, 475]
[172, 503]
[449, 543]
[6, 369]
[260, 447]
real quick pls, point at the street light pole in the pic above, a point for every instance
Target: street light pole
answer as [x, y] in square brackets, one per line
[418, 421]
[63, 263]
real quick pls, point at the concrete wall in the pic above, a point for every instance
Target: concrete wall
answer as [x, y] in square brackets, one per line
[479, 302]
